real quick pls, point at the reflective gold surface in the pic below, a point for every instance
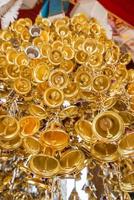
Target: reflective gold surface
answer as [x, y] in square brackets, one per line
[126, 145]
[29, 125]
[44, 165]
[66, 103]
[106, 152]
[84, 129]
[108, 126]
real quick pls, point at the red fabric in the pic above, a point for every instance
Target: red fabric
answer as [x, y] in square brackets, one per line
[122, 8]
[31, 13]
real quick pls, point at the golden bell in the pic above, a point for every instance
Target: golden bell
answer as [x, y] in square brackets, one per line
[13, 71]
[21, 59]
[90, 46]
[37, 111]
[95, 59]
[11, 55]
[3, 60]
[59, 22]
[25, 35]
[81, 57]
[125, 58]
[29, 125]
[127, 117]
[12, 144]
[120, 105]
[130, 88]
[9, 127]
[80, 18]
[68, 52]
[41, 72]
[121, 74]
[83, 79]
[78, 43]
[106, 152]
[32, 52]
[71, 161]
[6, 35]
[44, 36]
[71, 90]
[84, 129]
[53, 97]
[31, 145]
[6, 45]
[108, 103]
[37, 42]
[44, 165]
[107, 71]
[67, 40]
[88, 95]
[45, 48]
[130, 75]
[55, 138]
[95, 29]
[108, 126]
[25, 72]
[126, 145]
[22, 86]
[71, 112]
[19, 27]
[55, 56]
[35, 31]
[101, 83]
[100, 48]
[111, 57]
[57, 44]
[62, 31]
[28, 22]
[67, 65]
[58, 78]
[3, 73]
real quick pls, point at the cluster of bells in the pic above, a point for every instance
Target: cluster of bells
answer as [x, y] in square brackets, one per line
[67, 102]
